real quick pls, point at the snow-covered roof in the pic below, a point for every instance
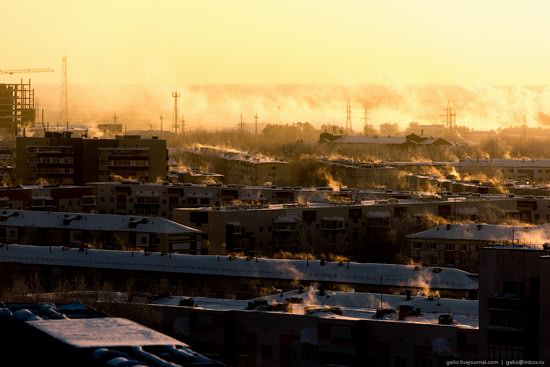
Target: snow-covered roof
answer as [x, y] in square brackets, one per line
[102, 332]
[311, 271]
[359, 305]
[432, 140]
[505, 162]
[487, 232]
[363, 305]
[357, 139]
[287, 219]
[91, 222]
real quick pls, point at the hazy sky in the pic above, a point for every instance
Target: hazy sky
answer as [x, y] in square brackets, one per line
[282, 41]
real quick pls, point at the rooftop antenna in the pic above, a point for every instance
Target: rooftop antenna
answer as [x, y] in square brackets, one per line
[64, 97]
[161, 120]
[176, 95]
[256, 123]
[349, 129]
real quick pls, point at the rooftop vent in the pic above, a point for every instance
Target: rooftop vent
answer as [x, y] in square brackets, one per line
[448, 226]
[479, 226]
[135, 221]
[68, 218]
[446, 319]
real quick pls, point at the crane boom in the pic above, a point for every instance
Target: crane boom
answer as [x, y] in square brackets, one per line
[20, 71]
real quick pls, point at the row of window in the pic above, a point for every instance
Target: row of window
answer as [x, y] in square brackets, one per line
[443, 246]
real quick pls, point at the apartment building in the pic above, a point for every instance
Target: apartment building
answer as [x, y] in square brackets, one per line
[60, 158]
[514, 303]
[97, 230]
[372, 231]
[458, 244]
[239, 167]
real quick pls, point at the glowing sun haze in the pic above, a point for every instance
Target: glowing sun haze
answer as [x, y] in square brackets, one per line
[128, 56]
[288, 41]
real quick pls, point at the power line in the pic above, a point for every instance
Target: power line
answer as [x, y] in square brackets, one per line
[176, 95]
[349, 128]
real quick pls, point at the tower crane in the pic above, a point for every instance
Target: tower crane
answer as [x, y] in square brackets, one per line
[22, 71]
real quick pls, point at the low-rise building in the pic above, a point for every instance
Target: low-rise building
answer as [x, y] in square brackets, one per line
[226, 276]
[239, 167]
[48, 198]
[372, 231]
[67, 335]
[320, 328]
[537, 170]
[97, 230]
[458, 244]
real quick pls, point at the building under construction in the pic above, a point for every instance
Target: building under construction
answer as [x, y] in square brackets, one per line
[17, 108]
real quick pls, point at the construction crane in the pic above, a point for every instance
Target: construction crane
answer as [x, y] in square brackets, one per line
[22, 71]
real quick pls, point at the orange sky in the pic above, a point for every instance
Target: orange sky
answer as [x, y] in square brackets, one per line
[285, 41]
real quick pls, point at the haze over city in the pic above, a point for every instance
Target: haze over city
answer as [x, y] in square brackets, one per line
[274, 183]
[242, 56]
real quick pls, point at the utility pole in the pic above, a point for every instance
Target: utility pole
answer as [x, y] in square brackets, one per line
[115, 117]
[365, 118]
[450, 117]
[241, 125]
[256, 123]
[182, 125]
[349, 128]
[161, 119]
[176, 95]
[64, 97]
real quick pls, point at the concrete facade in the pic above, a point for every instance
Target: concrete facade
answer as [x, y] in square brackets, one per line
[59, 158]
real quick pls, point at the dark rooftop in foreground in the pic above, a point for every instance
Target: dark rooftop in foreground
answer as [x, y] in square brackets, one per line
[76, 335]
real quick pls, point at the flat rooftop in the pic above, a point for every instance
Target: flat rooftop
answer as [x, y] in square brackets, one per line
[294, 270]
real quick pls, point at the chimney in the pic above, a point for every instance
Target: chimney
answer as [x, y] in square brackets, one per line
[446, 319]
[479, 227]
[408, 293]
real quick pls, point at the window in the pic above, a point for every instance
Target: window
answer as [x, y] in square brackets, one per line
[400, 361]
[336, 223]
[514, 288]
[310, 353]
[507, 352]
[289, 353]
[267, 351]
[198, 218]
[505, 319]
[241, 349]
[449, 247]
